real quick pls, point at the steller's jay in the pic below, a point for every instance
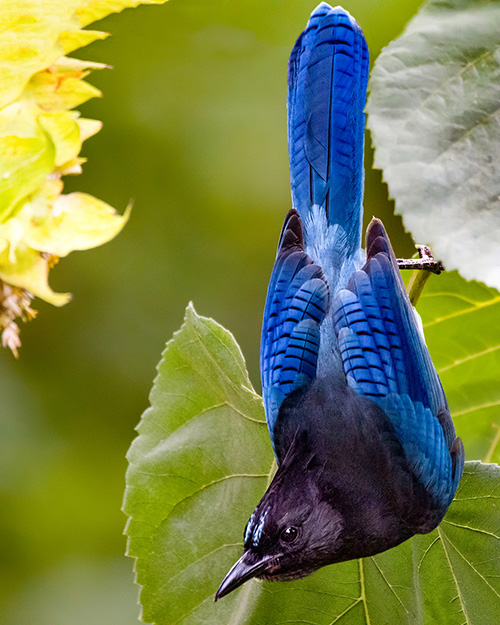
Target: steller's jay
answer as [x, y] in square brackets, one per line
[366, 448]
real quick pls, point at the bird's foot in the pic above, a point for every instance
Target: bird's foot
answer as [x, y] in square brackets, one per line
[425, 261]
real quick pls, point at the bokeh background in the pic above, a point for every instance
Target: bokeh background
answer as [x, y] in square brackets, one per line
[195, 132]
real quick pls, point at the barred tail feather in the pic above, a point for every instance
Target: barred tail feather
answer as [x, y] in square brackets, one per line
[327, 77]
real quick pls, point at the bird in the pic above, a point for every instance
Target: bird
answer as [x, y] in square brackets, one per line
[366, 450]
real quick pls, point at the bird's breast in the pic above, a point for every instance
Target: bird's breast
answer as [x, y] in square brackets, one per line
[362, 468]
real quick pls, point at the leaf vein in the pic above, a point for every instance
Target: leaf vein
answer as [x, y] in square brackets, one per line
[472, 529]
[460, 313]
[389, 585]
[472, 566]
[459, 592]
[461, 361]
[348, 609]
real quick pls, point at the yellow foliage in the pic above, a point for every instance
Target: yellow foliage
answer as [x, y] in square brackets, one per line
[40, 140]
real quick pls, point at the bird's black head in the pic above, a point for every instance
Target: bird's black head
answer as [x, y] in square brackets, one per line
[292, 532]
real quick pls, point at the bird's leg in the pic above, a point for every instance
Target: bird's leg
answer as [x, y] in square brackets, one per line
[425, 262]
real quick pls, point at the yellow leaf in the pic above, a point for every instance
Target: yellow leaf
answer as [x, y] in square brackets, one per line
[24, 164]
[19, 119]
[78, 39]
[72, 167]
[67, 64]
[37, 206]
[54, 91]
[60, 224]
[88, 127]
[64, 131]
[27, 155]
[40, 140]
[29, 270]
[30, 40]
[93, 10]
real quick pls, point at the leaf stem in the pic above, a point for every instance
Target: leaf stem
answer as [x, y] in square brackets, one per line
[416, 284]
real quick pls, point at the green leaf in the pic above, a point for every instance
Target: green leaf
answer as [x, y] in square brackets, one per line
[187, 468]
[201, 463]
[463, 336]
[434, 113]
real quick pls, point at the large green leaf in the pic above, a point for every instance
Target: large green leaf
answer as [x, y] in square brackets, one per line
[199, 464]
[202, 461]
[434, 114]
[463, 335]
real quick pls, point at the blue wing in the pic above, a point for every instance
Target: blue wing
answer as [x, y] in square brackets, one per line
[327, 77]
[385, 358]
[297, 301]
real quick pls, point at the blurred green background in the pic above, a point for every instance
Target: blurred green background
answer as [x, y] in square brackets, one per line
[195, 132]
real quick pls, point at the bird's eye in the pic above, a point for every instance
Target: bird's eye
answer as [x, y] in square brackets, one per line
[289, 534]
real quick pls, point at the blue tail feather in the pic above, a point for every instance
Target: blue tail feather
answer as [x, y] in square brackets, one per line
[328, 73]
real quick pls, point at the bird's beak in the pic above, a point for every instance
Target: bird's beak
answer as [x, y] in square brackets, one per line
[246, 568]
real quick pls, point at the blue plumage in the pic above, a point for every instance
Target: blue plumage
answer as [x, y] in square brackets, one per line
[366, 448]
[296, 305]
[327, 76]
[385, 358]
